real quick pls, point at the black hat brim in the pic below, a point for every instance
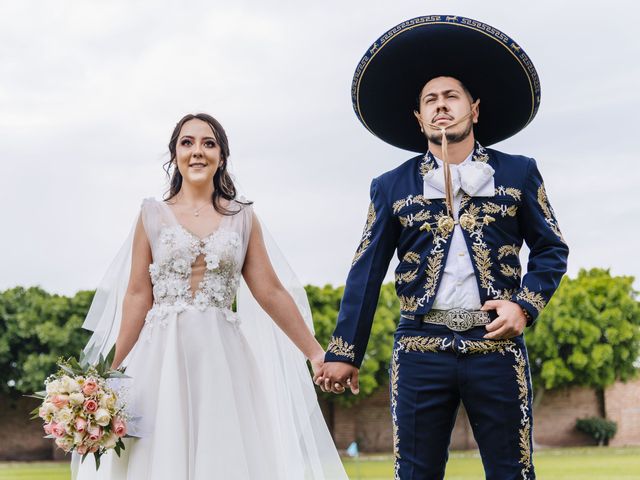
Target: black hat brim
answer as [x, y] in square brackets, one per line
[489, 63]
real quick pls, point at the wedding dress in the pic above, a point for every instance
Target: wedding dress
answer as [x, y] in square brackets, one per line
[220, 394]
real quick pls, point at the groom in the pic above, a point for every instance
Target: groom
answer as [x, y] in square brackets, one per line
[457, 216]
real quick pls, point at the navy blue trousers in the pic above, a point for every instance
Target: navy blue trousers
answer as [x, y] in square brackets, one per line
[432, 370]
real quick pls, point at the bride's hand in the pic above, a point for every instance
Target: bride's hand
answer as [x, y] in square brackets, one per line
[317, 362]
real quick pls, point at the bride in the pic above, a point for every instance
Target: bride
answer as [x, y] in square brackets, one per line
[221, 394]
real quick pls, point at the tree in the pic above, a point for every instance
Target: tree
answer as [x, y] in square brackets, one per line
[325, 304]
[35, 329]
[588, 335]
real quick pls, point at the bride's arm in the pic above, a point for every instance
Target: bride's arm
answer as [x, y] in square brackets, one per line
[275, 299]
[138, 298]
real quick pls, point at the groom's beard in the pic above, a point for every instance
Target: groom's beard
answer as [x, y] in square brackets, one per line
[435, 136]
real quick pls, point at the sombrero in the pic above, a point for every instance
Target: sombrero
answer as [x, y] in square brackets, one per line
[494, 68]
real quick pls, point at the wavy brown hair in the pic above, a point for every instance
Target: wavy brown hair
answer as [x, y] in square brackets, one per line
[223, 187]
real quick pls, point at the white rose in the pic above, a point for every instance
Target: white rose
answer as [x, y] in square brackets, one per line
[108, 401]
[76, 399]
[54, 387]
[109, 440]
[65, 415]
[102, 417]
[69, 384]
[49, 408]
[77, 438]
[65, 443]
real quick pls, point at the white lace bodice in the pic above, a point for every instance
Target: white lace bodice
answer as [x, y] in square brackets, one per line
[175, 251]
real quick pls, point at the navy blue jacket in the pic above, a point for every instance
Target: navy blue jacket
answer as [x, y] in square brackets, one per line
[401, 219]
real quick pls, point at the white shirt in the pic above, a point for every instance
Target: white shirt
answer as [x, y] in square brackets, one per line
[458, 286]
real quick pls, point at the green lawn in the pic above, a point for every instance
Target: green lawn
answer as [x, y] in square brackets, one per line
[554, 464]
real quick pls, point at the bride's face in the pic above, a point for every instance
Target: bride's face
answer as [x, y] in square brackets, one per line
[197, 152]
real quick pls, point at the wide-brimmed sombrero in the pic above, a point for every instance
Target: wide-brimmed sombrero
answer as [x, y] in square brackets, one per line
[489, 63]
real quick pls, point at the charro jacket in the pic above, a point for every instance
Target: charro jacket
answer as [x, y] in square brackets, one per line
[401, 219]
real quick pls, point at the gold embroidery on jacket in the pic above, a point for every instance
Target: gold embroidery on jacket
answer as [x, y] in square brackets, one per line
[406, 277]
[510, 270]
[508, 250]
[481, 253]
[480, 154]
[409, 200]
[408, 304]
[512, 192]
[410, 219]
[534, 299]
[503, 210]
[341, 348]
[411, 257]
[506, 294]
[366, 235]
[549, 214]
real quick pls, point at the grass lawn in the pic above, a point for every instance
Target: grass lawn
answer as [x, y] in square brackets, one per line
[553, 464]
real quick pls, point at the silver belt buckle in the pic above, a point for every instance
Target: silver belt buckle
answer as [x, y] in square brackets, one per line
[459, 319]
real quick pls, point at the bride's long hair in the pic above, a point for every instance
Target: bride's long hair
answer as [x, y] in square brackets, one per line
[223, 187]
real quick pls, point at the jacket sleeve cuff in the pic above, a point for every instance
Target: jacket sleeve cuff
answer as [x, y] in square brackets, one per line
[530, 302]
[340, 350]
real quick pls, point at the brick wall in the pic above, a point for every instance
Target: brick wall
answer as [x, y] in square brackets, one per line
[622, 401]
[369, 422]
[21, 437]
[554, 419]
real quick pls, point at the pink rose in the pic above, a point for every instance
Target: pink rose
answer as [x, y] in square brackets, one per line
[60, 401]
[82, 449]
[95, 433]
[90, 406]
[48, 428]
[94, 448]
[119, 427]
[57, 430]
[80, 424]
[90, 386]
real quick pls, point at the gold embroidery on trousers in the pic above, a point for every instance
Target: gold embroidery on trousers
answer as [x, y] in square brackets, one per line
[408, 344]
[434, 344]
[520, 367]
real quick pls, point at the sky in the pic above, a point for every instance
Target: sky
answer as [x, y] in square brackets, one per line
[91, 90]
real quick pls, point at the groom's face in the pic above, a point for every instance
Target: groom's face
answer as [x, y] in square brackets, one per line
[442, 101]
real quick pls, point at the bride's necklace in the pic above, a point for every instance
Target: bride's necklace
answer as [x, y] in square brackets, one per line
[196, 212]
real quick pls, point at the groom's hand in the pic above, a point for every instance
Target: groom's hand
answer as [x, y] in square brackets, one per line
[510, 321]
[335, 377]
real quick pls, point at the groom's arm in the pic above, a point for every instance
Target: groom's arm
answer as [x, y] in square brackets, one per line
[548, 250]
[369, 267]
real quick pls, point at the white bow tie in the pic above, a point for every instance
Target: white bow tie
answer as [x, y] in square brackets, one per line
[474, 178]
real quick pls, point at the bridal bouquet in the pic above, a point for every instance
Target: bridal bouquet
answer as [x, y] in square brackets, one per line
[82, 409]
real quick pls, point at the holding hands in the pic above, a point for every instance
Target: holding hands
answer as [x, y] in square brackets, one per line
[336, 377]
